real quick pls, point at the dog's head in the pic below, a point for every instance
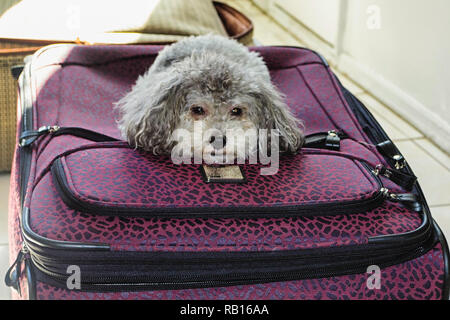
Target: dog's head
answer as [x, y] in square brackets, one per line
[206, 91]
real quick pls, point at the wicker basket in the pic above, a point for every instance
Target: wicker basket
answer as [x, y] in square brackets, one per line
[11, 53]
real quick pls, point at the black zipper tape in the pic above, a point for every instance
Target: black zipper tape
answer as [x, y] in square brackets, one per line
[239, 273]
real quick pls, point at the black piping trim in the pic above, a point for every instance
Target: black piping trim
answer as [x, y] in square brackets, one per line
[26, 124]
[410, 236]
[26, 104]
[34, 238]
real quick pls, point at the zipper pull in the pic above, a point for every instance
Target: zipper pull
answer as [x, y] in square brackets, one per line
[409, 200]
[12, 277]
[388, 149]
[333, 140]
[404, 180]
[29, 136]
[325, 140]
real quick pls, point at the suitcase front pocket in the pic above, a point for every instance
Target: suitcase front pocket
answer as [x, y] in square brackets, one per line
[116, 180]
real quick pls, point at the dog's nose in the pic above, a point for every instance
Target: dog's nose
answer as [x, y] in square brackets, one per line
[218, 142]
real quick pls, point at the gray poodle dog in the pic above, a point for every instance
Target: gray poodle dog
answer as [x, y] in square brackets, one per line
[208, 82]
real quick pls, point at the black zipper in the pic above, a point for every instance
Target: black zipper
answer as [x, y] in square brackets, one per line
[344, 207]
[352, 263]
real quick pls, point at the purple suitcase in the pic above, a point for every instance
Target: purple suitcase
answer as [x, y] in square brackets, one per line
[140, 227]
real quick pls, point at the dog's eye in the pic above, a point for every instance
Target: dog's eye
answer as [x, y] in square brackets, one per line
[236, 112]
[197, 110]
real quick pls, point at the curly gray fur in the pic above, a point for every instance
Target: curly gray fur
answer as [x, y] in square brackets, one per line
[211, 71]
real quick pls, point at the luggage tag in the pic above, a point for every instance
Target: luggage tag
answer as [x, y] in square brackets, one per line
[222, 174]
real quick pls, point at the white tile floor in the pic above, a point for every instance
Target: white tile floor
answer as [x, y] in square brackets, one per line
[430, 164]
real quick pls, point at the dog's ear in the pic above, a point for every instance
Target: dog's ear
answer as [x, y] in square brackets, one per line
[150, 112]
[275, 114]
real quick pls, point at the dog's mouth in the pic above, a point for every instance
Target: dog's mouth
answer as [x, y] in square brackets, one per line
[225, 155]
[217, 156]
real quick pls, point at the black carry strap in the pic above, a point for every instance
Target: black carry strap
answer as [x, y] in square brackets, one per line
[400, 178]
[28, 137]
[323, 140]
